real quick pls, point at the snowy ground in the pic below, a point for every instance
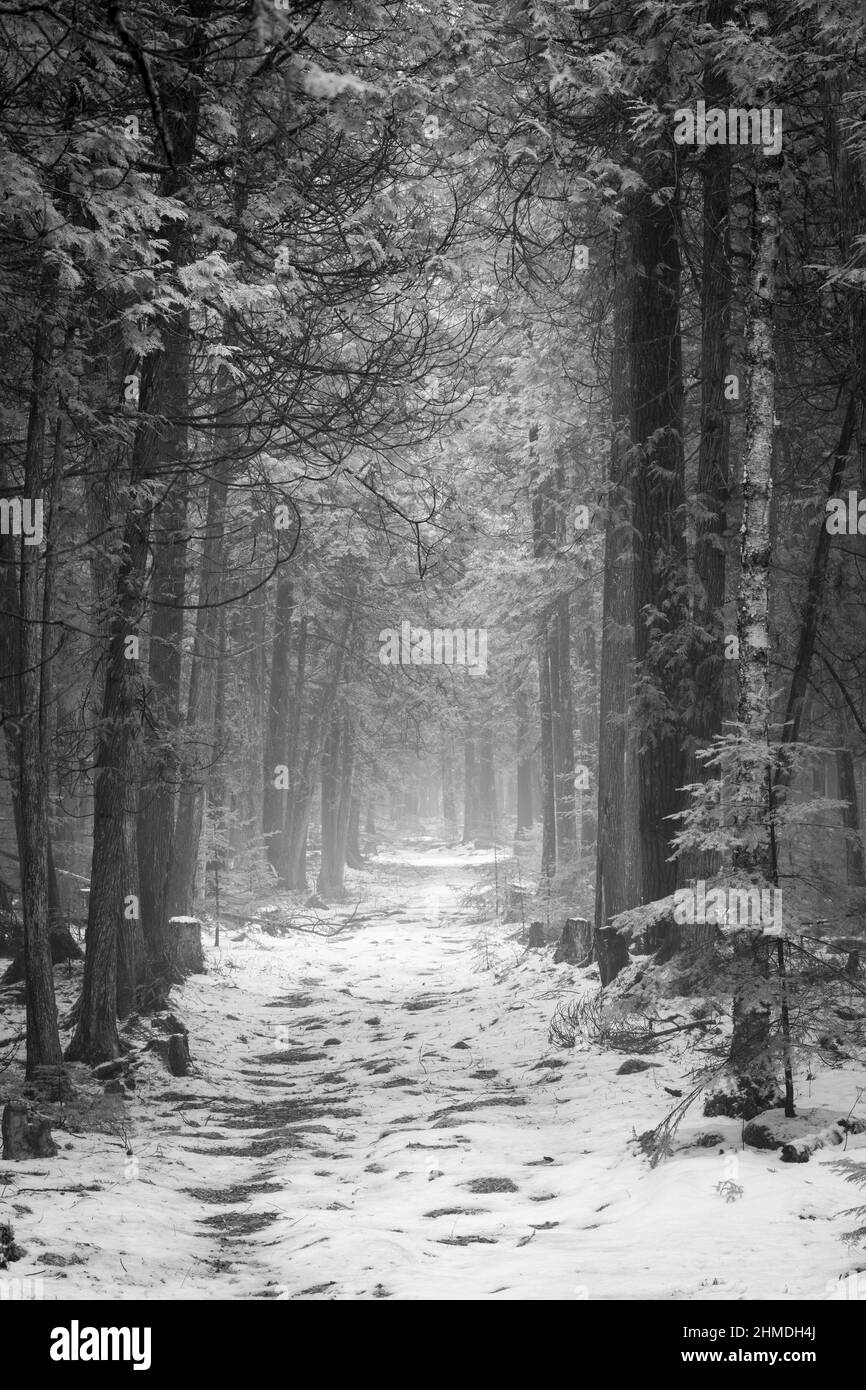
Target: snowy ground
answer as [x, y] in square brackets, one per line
[379, 1115]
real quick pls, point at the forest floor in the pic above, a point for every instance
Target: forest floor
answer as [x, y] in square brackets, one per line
[378, 1114]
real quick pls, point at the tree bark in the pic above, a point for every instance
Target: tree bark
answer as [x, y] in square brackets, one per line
[168, 401]
[277, 732]
[43, 1039]
[201, 702]
[567, 815]
[471, 796]
[617, 843]
[525, 813]
[713, 481]
[756, 1084]
[659, 547]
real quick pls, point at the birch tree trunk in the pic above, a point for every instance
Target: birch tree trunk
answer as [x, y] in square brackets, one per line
[751, 1062]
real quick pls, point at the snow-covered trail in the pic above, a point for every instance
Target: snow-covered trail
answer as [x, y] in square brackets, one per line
[379, 1114]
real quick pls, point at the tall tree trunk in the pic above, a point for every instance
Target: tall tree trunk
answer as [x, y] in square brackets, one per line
[131, 954]
[330, 870]
[161, 766]
[201, 702]
[617, 842]
[543, 548]
[291, 862]
[849, 186]
[713, 481]
[567, 824]
[168, 399]
[449, 800]
[548, 763]
[525, 815]
[10, 672]
[277, 730]
[302, 794]
[338, 755]
[658, 499]
[95, 1038]
[43, 1039]
[854, 862]
[217, 794]
[750, 1060]
[354, 857]
[471, 795]
[486, 834]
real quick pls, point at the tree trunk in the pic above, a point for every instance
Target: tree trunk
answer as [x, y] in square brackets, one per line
[43, 1039]
[617, 843]
[658, 499]
[525, 815]
[201, 703]
[567, 823]
[849, 186]
[449, 800]
[471, 795]
[167, 401]
[96, 1037]
[486, 834]
[161, 769]
[713, 483]
[856, 870]
[330, 880]
[131, 954]
[750, 1060]
[293, 853]
[354, 857]
[302, 794]
[277, 731]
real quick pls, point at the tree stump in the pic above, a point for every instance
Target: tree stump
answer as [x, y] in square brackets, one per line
[536, 935]
[178, 1054]
[185, 945]
[26, 1133]
[611, 953]
[174, 1051]
[9, 1250]
[575, 944]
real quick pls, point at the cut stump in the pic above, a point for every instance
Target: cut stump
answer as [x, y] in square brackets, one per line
[185, 945]
[575, 944]
[536, 935]
[26, 1133]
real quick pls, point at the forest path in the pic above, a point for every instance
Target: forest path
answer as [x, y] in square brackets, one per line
[407, 1131]
[378, 1113]
[385, 1119]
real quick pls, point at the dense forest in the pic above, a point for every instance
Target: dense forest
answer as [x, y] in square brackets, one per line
[432, 514]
